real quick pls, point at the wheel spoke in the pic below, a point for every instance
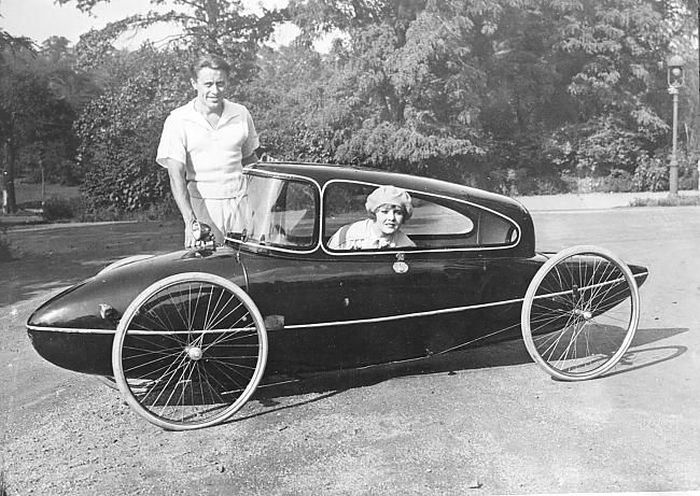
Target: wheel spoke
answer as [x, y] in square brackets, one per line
[580, 313]
[189, 351]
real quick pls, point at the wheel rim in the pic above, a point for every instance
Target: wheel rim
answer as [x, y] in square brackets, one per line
[580, 313]
[189, 351]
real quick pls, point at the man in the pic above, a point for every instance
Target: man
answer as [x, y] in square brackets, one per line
[204, 145]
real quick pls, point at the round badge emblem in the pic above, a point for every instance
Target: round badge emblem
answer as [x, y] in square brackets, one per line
[400, 267]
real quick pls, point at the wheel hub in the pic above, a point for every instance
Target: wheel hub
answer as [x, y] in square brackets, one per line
[583, 313]
[194, 352]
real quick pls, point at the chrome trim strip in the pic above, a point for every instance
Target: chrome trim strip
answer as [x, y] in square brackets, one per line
[330, 324]
[592, 286]
[405, 316]
[139, 332]
[388, 318]
[69, 330]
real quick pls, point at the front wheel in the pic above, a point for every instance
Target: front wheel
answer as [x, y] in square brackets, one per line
[189, 351]
[580, 313]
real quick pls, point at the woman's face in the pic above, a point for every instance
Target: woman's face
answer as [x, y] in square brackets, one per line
[389, 218]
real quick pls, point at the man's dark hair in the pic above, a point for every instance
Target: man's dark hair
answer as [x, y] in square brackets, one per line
[210, 61]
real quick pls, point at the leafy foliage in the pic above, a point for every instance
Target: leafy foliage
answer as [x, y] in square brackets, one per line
[220, 27]
[41, 96]
[57, 208]
[119, 133]
[651, 175]
[397, 95]
[516, 96]
[491, 93]
[287, 100]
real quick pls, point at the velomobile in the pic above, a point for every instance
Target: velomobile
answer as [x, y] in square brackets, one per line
[187, 336]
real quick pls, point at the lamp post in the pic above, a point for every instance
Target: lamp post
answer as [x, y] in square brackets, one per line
[676, 79]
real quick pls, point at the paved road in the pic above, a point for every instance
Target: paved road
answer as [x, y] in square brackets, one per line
[595, 201]
[484, 421]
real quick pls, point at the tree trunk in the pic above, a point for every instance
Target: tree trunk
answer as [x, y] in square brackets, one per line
[9, 201]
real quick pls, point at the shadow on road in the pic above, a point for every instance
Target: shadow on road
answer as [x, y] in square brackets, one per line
[508, 353]
[639, 356]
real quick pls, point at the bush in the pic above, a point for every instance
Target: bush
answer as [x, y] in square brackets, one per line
[125, 184]
[618, 181]
[602, 145]
[105, 214]
[119, 134]
[651, 175]
[549, 185]
[688, 176]
[162, 210]
[667, 201]
[56, 208]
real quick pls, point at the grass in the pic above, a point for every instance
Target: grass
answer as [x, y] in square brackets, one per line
[30, 193]
[65, 204]
[685, 200]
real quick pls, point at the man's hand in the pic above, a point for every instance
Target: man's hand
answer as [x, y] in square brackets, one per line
[189, 237]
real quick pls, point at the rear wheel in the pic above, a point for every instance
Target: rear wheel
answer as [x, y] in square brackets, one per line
[580, 313]
[189, 351]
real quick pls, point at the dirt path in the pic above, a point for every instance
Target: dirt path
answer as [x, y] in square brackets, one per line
[53, 256]
[483, 421]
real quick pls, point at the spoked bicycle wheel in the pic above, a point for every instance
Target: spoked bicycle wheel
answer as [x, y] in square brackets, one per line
[580, 313]
[189, 351]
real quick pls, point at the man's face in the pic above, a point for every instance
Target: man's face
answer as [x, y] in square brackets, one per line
[210, 85]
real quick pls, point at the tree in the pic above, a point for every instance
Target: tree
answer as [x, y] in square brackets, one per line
[215, 26]
[486, 89]
[10, 131]
[288, 97]
[70, 89]
[505, 94]
[119, 132]
[401, 95]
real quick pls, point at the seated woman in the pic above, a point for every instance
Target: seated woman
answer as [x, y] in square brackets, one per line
[388, 208]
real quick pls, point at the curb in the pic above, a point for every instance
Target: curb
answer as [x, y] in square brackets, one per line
[66, 225]
[592, 201]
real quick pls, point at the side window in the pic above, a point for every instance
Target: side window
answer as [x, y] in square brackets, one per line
[436, 222]
[343, 204]
[436, 225]
[439, 223]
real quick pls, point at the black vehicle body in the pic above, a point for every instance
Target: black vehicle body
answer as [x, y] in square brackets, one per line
[326, 309]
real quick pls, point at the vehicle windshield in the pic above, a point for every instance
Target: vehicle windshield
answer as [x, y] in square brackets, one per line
[282, 212]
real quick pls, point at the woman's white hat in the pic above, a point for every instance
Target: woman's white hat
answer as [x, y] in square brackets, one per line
[390, 195]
